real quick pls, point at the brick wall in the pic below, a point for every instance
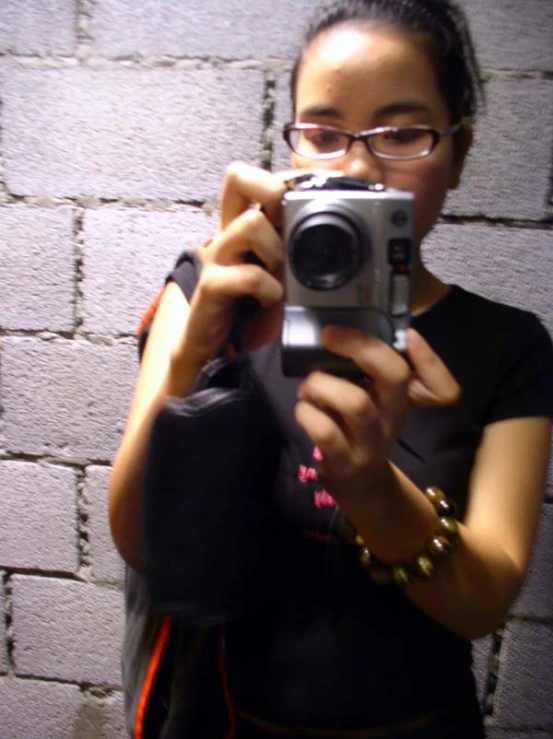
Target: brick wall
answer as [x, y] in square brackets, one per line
[118, 118]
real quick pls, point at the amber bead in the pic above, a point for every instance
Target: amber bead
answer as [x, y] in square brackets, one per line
[449, 526]
[424, 566]
[446, 508]
[348, 532]
[365, 558]
[439, 546]
[434, 495]
[401, 576]
[381, 575]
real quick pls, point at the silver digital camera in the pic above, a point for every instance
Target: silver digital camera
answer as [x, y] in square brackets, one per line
[348, 261]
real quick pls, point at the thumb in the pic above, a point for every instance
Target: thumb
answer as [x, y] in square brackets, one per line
[431, 384]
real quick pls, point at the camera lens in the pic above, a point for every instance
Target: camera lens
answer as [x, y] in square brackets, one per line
[327, 248]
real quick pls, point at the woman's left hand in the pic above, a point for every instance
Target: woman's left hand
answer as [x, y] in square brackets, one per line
[355, 425]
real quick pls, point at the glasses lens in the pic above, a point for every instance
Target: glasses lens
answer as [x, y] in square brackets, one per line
[403, 143]
[317, 142]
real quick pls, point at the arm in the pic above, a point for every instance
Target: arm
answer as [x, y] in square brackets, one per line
[472, 590]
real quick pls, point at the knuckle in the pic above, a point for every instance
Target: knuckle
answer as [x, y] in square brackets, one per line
[234, 171]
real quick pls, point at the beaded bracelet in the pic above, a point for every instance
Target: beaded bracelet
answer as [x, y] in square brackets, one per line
[423, 564]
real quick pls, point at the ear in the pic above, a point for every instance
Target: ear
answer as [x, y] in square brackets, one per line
[462, 144]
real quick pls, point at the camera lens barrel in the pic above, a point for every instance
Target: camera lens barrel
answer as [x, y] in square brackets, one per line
[327, 245]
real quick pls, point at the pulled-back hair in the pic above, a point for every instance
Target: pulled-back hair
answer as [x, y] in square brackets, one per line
[440, 24]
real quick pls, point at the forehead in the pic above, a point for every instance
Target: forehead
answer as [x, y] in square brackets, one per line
[361, 69]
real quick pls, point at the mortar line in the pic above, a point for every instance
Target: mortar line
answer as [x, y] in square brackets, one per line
[78, 247]
[8, 621]
[268, 119]
[83, 35]
[84, 556]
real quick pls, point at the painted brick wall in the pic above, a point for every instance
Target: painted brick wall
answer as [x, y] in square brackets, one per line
[118, 118]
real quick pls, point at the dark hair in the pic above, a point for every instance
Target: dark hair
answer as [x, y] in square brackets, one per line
[440, 24]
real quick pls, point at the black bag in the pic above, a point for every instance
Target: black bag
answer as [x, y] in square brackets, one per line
[209, 524]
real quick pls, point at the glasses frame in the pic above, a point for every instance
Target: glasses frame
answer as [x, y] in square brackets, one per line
[365, 137]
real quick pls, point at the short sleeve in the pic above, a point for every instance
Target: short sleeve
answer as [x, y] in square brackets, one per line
[185, 273]
[525, 382]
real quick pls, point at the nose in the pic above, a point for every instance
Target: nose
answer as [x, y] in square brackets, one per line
[360, 162]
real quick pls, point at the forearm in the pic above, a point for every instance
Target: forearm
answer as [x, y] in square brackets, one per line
[470, 591]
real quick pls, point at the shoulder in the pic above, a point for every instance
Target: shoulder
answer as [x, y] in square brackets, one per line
[501, 355]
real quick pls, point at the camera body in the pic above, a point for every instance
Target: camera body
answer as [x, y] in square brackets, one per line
[348, 261]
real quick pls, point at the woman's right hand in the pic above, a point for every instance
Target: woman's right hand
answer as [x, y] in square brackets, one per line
[226, 273]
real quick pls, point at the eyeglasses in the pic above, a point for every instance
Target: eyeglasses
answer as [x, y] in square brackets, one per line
[398, 143]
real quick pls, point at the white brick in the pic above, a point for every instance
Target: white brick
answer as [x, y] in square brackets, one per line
[101, 718]
[237, 30]
[32, 709]
[525, 686]
[66, 398]
[37, 27]
[37, 271]
[536, 599]
[512, 35]
[505, 174]
[128, 133]
[481, 655]
[67, 630]
[106, 562]
[512, 265]
[37, 517]
[140, 248]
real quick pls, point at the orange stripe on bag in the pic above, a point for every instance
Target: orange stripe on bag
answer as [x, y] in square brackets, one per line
[150, 312]
[151, 672]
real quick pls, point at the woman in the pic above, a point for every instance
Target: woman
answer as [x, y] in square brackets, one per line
[383, 90]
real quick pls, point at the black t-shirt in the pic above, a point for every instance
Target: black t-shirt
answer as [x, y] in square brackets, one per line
[336, 650]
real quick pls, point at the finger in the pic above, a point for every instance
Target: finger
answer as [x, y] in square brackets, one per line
[325, 434]
[431, 384]
[244, 185]
[220, 284]
[249, 232]
[388, 370]
[351, 407]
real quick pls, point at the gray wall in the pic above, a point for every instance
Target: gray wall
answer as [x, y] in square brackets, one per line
[118, 118]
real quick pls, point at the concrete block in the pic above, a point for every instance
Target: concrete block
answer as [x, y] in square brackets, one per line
[140, 248]
[4, 662]
[106, 561]
[101, 717]
[525, 685]
[66, 398]
[67, 630]
[506, 175]
[536, 598]
[511, 265]
[37, 270]
[512, 35]
[494, 733]
[38, 516]
[33, 27]
[236, 30]
[481, 656]
[128, 133]
[33, 709]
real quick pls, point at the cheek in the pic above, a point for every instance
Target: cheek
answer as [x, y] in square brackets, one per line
[430, 184]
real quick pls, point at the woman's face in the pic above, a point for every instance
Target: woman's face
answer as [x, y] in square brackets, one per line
[357, 79]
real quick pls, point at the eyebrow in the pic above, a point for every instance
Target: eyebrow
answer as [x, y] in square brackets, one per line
[328, 111]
